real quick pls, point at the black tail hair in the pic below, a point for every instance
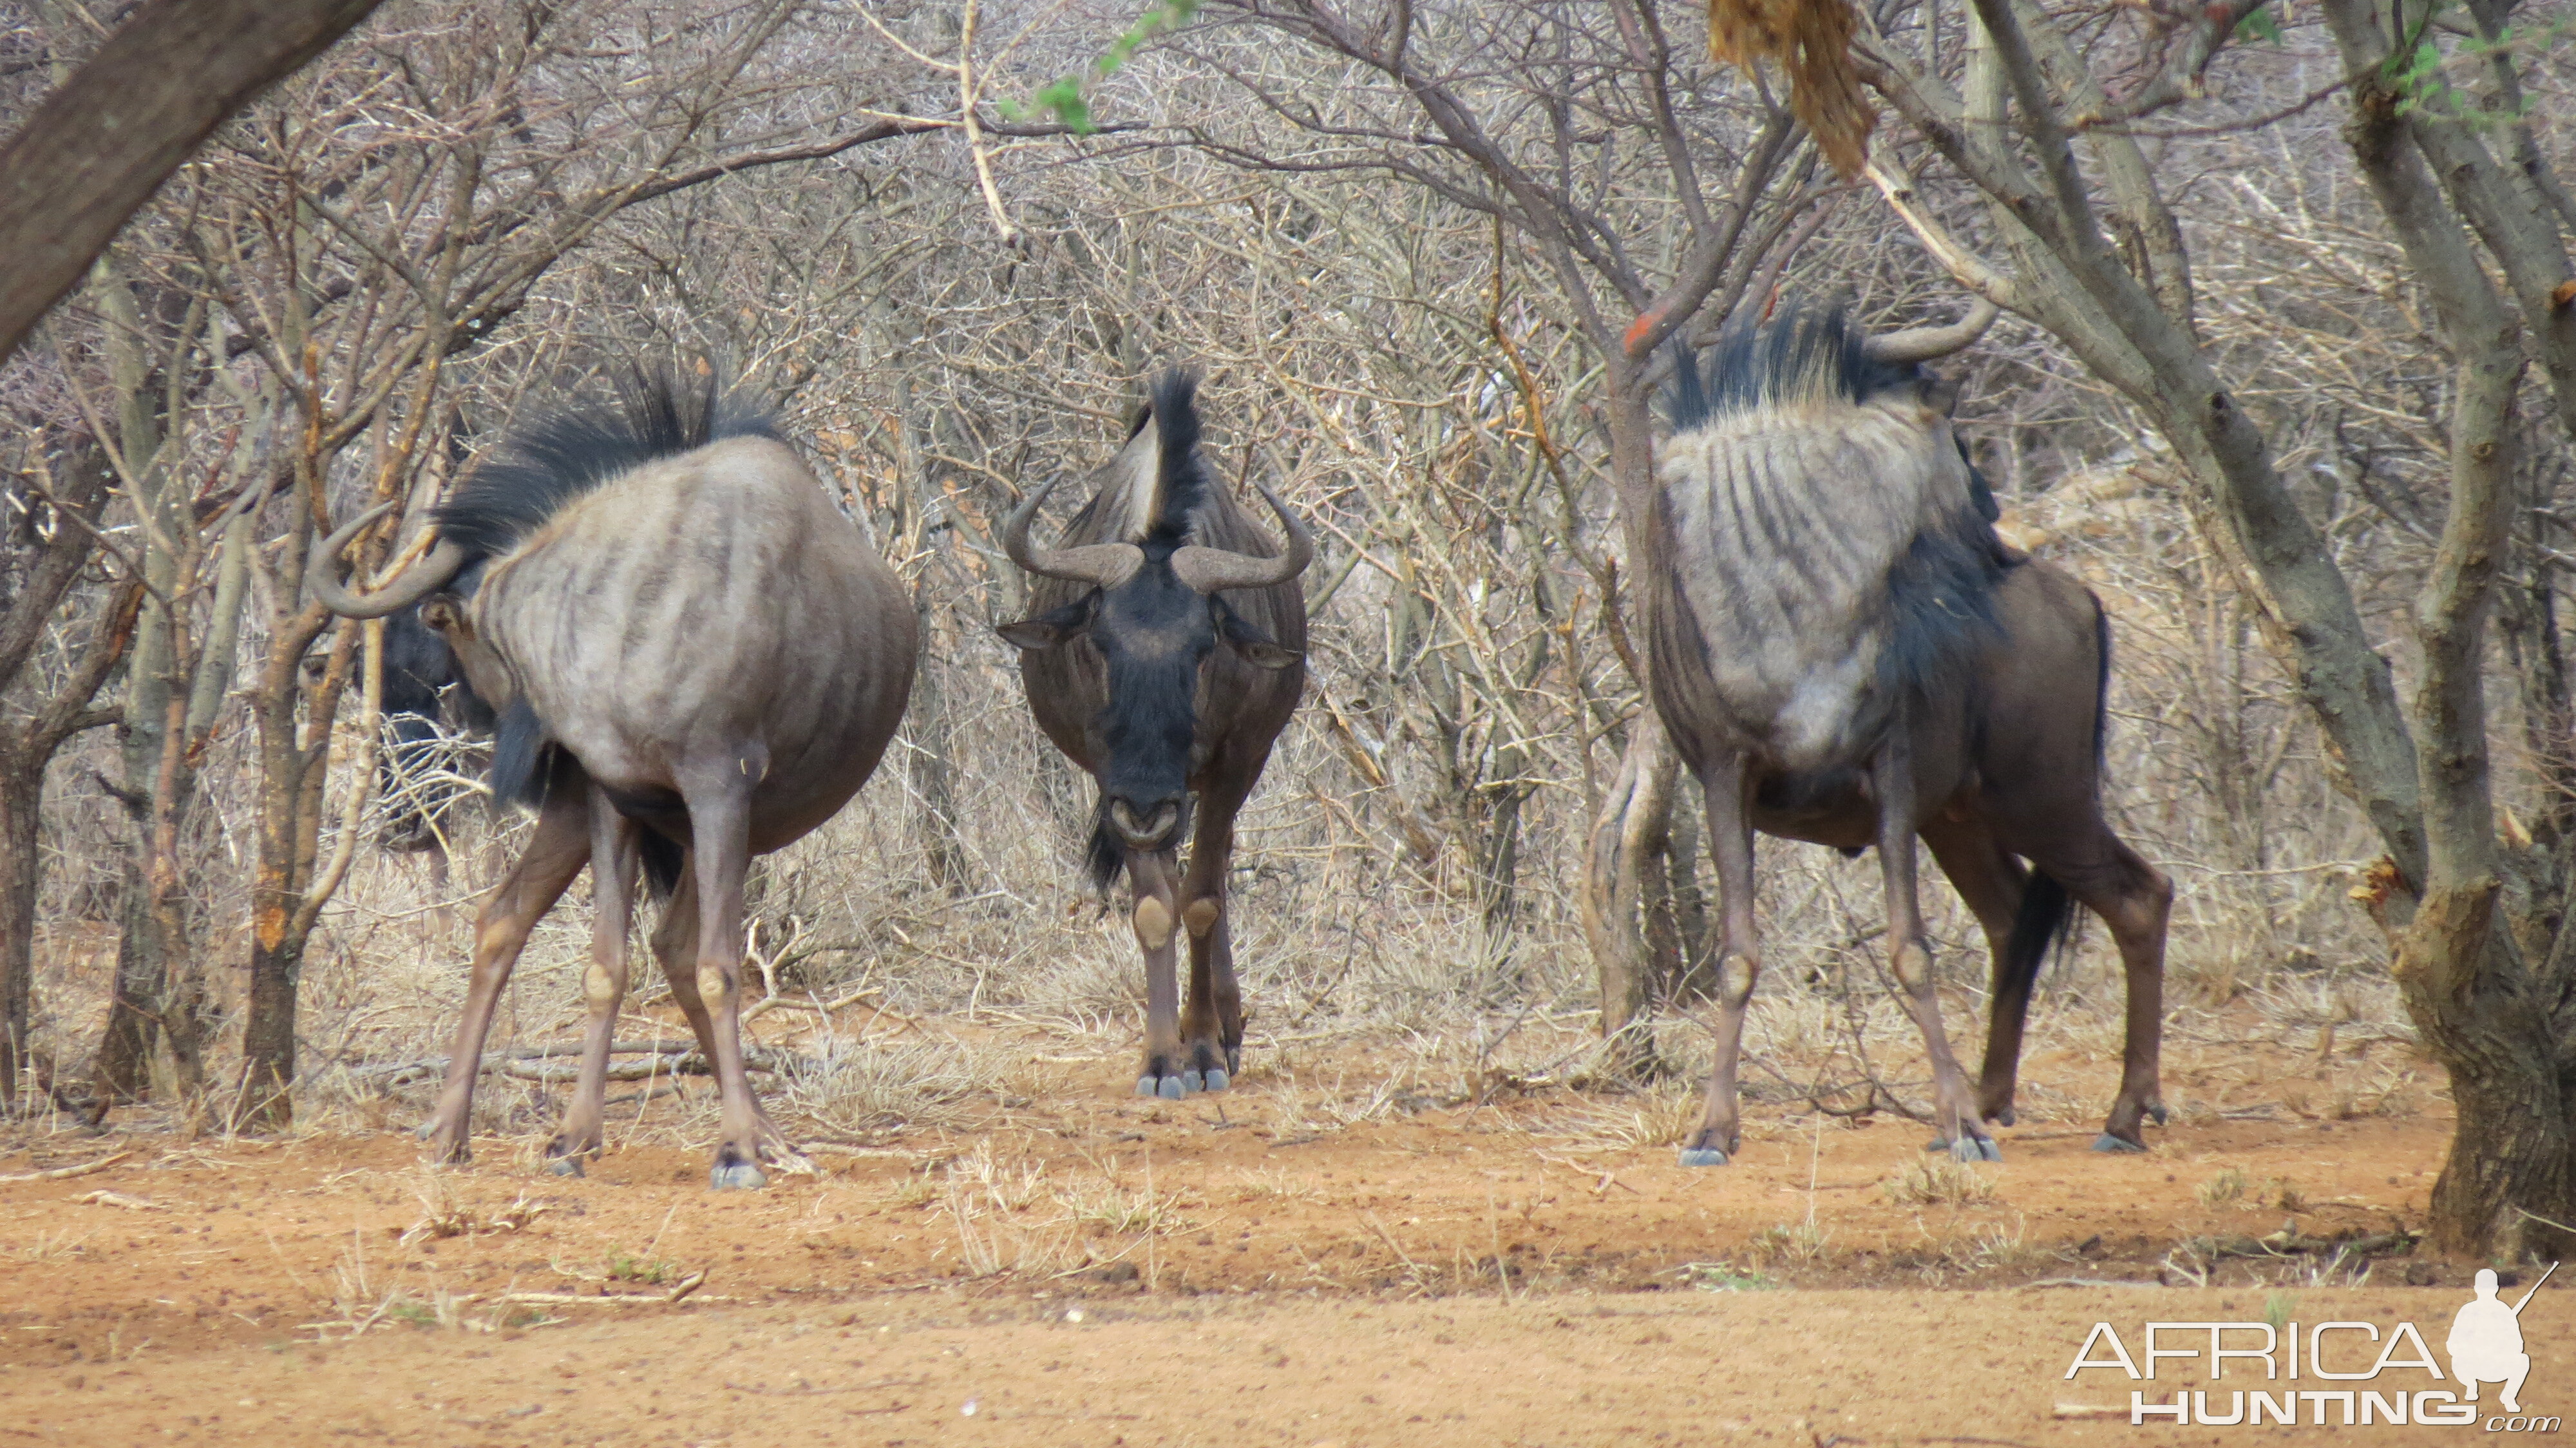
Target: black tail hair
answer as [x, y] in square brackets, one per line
[1104, 855]
[1184, 480]
[2048, 919]
[562, 455]
[2101, 689]
[2045, 920]
[663, 860]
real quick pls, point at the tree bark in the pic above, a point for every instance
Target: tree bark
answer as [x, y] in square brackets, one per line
[104, 141]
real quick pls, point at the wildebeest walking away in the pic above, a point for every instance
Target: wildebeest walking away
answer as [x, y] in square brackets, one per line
[1164, 653]
[1845, 653]
[695, 660]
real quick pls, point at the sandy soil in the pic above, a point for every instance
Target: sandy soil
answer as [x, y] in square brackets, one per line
[1102, 1269]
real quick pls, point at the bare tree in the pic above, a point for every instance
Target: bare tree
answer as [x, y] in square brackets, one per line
[104, 142]
[2095, 254]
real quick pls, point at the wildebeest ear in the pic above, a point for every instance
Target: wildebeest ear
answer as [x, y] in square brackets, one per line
[1247, 641]
[1940, 394]
[1053, 627]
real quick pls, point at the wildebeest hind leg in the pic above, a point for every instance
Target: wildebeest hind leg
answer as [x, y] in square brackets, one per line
[556, 851]
[2135, 899]
[1739, 961]
[719, 799]
[1991, 881]
[1954, 1107]
[1212, 1021]
[1156, 921]
[614, 844]
[675, 947]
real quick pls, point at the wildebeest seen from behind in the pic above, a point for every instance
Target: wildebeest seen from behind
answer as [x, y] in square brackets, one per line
[1845, 653]
[694, 658]
[1164, 653]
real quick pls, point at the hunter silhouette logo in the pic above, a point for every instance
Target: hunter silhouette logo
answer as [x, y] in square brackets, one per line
[2486, 1341]
[2364, 1372]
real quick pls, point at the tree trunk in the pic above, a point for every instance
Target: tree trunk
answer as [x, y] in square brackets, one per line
[2510, 1173]
[20, 790]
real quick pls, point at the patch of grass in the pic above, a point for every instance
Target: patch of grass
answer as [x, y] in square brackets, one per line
[52, 1246]
[1273, 1184]
[1799, 1244]
[1722, 1277]
[635, 1267]
[2277, 1307]
[1937, 1180]
[2225, 1189]
[2278, 1192]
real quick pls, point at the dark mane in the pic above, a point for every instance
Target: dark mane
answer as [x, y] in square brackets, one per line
[562, 455]
[1185, 490]
[1799, 356]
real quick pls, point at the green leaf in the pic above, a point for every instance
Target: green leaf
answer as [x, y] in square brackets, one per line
[2259, 24]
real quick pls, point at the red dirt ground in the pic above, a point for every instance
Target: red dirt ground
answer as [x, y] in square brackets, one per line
[1458, 1276]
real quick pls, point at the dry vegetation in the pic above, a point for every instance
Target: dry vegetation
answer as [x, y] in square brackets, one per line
[944, 319]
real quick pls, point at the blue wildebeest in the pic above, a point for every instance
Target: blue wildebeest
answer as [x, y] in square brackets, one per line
[1164, 652]
[1845, 653]
[694, 659]
[425, 705]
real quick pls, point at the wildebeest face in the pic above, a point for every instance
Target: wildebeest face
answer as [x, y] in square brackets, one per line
[1156, 636]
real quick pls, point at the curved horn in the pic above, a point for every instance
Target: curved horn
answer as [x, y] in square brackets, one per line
[1922, 344]
[1206, 570]
[417, 582]
[1102, 565]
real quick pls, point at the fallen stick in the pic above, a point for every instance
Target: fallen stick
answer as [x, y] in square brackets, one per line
[687, 1285]
[62, 1173]
[496, 1060]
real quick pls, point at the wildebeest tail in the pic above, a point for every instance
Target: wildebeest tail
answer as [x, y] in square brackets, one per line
[2046, 920]
[2101, 686]
[1104, 855]
[1183, 486]
[559, 456]
[663, 861]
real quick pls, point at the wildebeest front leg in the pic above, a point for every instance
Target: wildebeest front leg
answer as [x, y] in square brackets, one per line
[556, 851]
[1739, 960]
[1157, 921]
[614, 842]
[1910, 952]
[1212, 1021]
[719, 801]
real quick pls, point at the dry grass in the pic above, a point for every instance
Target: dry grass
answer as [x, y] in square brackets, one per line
[1939, 1181]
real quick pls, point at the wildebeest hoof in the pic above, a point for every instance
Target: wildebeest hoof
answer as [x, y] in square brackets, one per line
[1145, 1085]
[1217, 1080]
[2004, 1117]
[1192, 1083]
[2158, 1112]
[1172, 1088]
[1703, 1156]
[742, 1176]
[2109, 1143]
[1972, 1148]
[565, 1166]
